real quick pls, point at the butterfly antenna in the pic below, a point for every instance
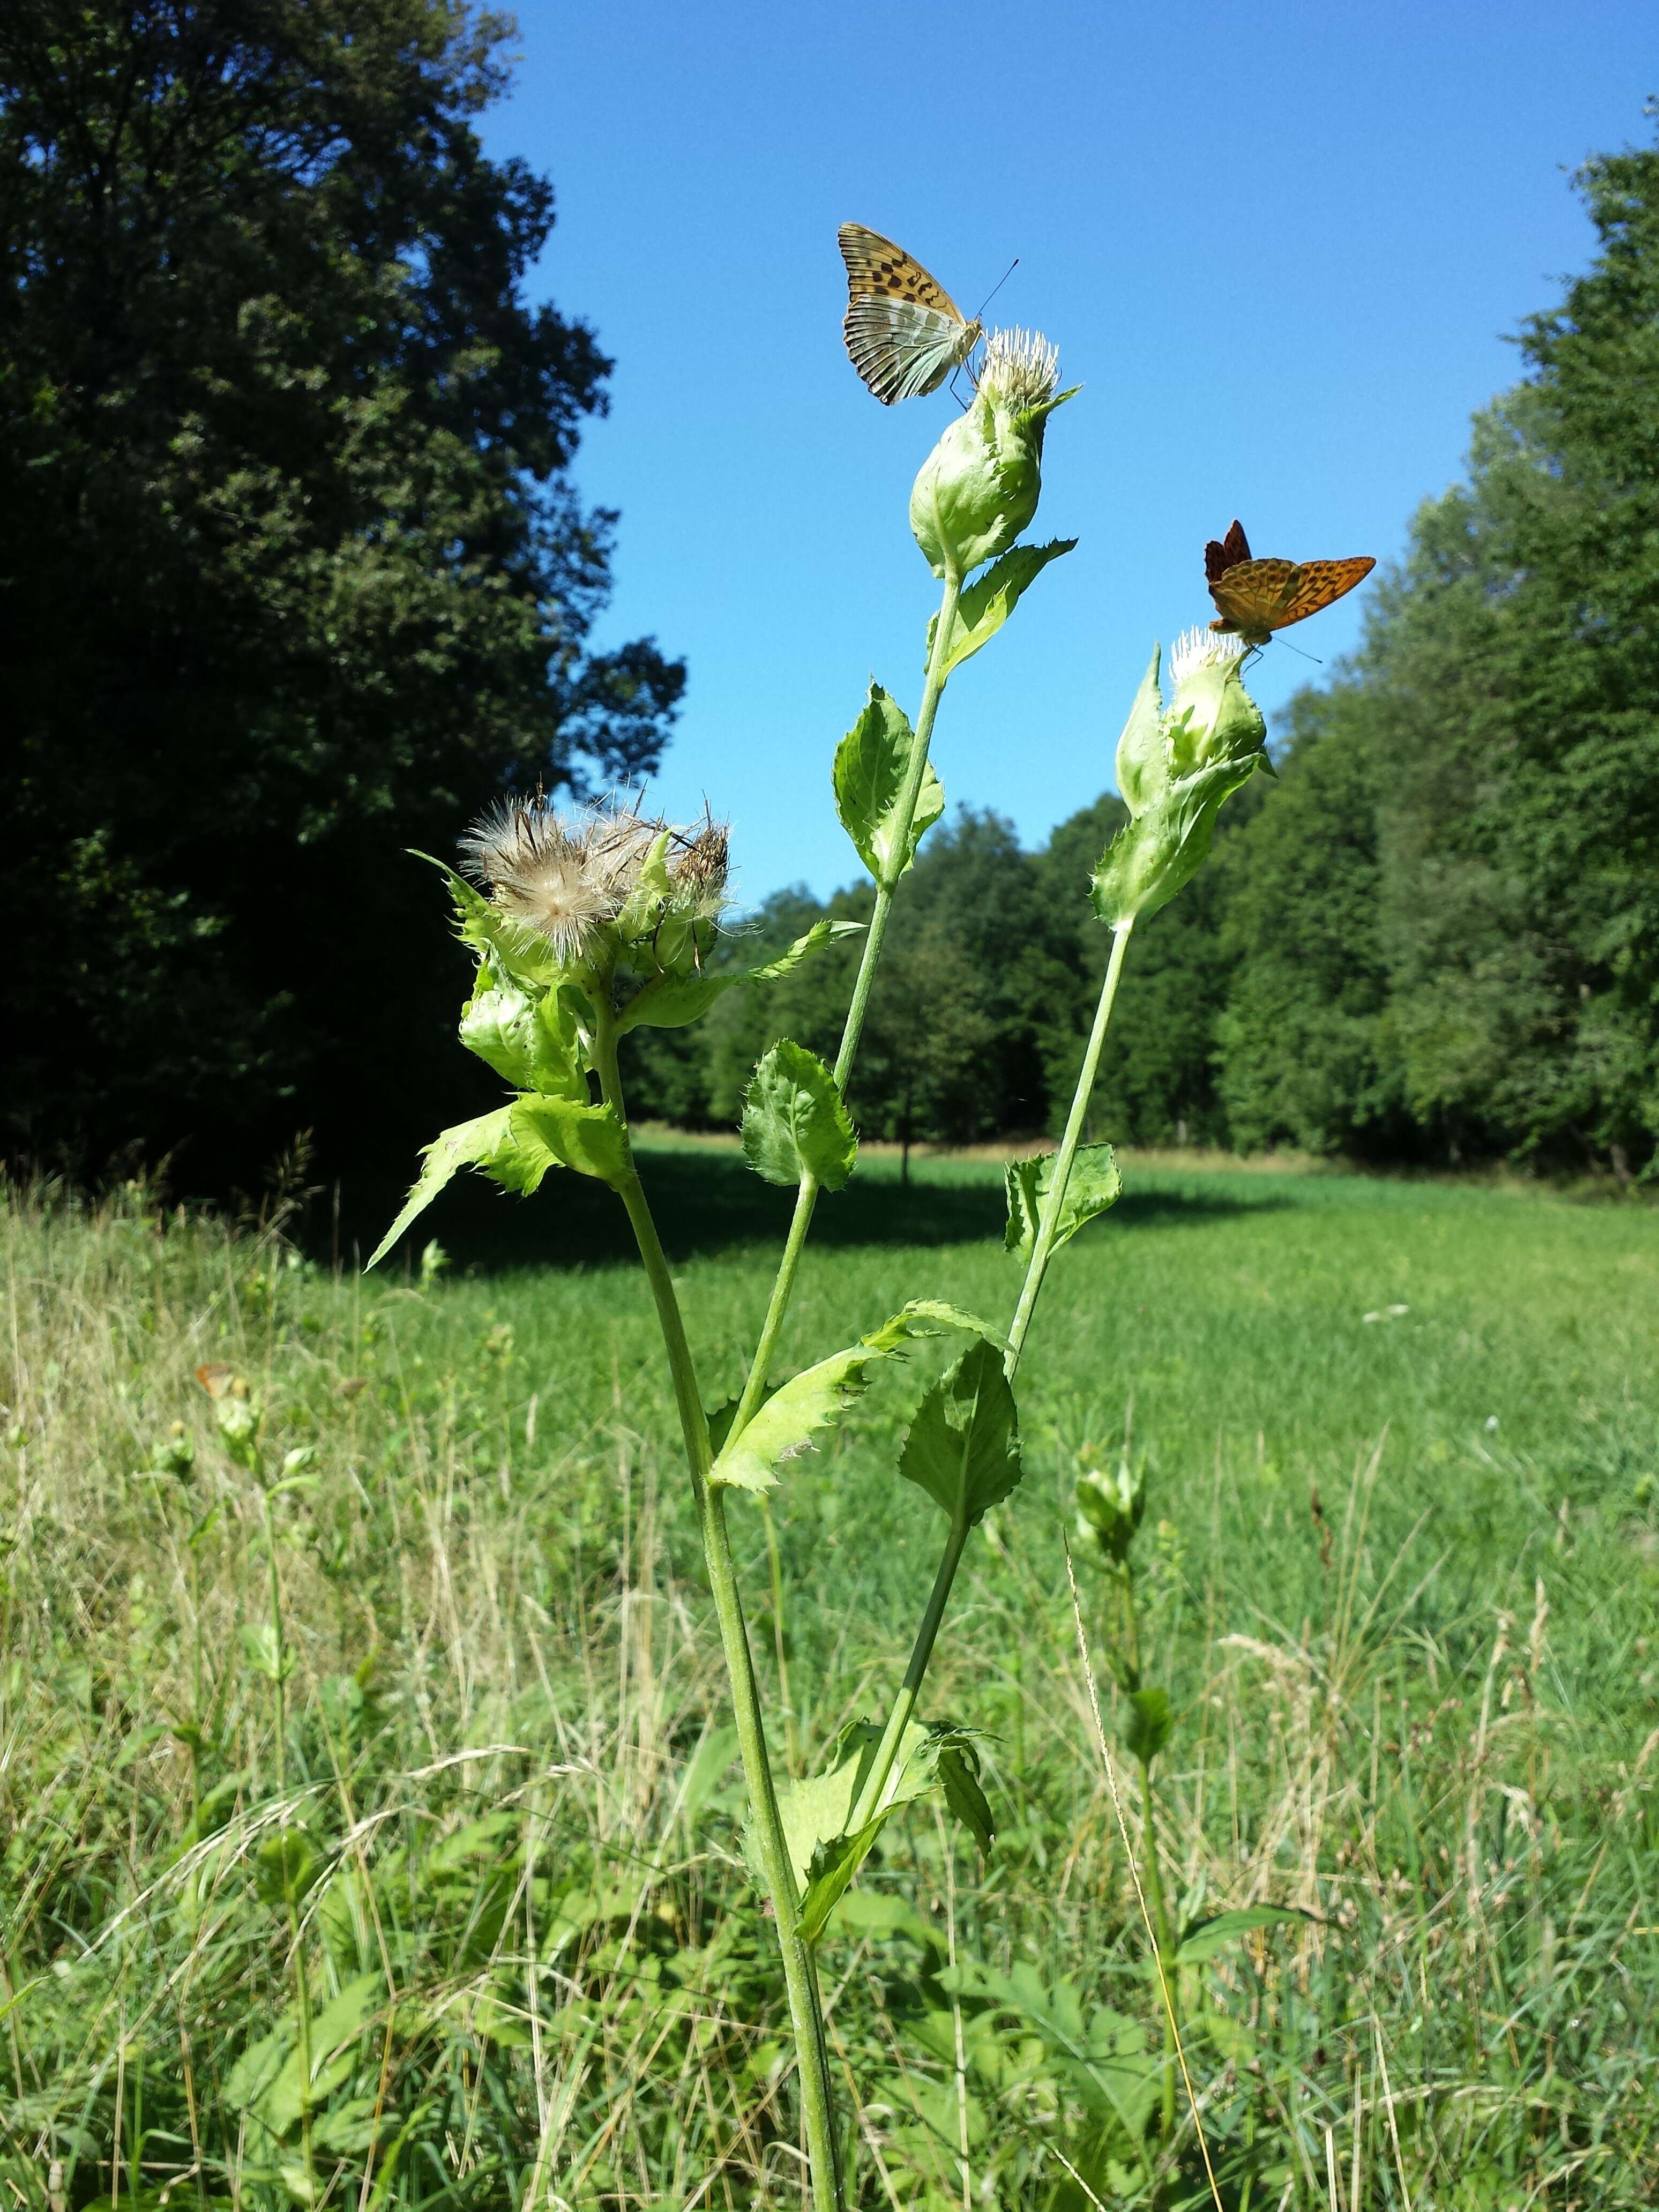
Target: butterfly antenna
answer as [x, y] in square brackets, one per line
[1300, 655]
[996, 288]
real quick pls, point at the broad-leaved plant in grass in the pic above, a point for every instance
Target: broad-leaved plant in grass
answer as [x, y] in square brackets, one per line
[589, 923]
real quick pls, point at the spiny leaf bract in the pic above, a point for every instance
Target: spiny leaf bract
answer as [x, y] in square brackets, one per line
[872, 763]
[794, 1124]
[963, 1445]
[1093, 1185]
[985, 606]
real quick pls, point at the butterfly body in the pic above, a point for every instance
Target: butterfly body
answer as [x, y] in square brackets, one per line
[1254, 597]
[904, 332]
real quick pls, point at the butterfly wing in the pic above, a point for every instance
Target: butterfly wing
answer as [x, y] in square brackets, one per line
[877, 267]
[1319, 582]
[1222, 554]
[1251, 596]
[901, 350]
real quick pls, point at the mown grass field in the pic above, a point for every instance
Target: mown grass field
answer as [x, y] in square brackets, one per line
[400, 1768]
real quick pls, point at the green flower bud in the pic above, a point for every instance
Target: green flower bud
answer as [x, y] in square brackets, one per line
[980, 486]
[1109, 1506]
[1175, 768]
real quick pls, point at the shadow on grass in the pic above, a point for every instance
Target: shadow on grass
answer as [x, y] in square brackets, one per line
[709, 1201]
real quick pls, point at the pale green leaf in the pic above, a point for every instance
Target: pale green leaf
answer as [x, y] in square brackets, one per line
[963, 1444]
[469, 1143]
[985, 606]
[527, 1036]
[872, 763]
[789, 1421]
[669, 1002]
[521, 954]
[1204, 1940]
[1093, 1185]
[794, 1123]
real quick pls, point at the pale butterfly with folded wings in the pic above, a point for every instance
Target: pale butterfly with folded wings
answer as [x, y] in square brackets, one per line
[904, 332]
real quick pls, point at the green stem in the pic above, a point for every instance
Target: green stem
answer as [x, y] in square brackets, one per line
[923, 1651]
[870, 1796]
[807, 1196]
[1163, 1938]
[805, 2012]
[1048, 1220]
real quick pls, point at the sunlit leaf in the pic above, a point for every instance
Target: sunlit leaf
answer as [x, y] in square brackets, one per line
[669, 1002]
[795, 1122]
[1093, 1185]
[985, 606]
[872, 763]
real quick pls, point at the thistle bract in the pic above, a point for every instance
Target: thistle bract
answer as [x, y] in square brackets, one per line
[1176, 766]
[1110, 1506]
[980, 486]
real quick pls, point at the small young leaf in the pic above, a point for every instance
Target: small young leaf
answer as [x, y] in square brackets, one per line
[788, 1422]
[530, 1041]
[985, 606]
[1150, 1725]
[1206, 1938]
[518, 953]
[1093, 1185]
[794, 1124]
[963, 1445]
[958, 1773]
[872, 763]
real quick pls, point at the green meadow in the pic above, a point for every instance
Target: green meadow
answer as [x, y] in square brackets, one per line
[367, 1802]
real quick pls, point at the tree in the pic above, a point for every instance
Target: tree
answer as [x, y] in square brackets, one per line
[294, 576]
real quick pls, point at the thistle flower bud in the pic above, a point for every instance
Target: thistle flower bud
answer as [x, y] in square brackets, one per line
[1109, 1506]
[979, 487]
[1175, 765]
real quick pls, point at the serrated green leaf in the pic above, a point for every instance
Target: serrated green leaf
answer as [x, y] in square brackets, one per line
[1093, 1185]
[985, 606]
[1104, 2057]
[791, 1416]
[963, 1445]
[469, 1143]
[948, 1316]
[815, 1812]
[1149, 1723]
[1206, 1938]
[794, 1123]
[872, 763]
[516, 1146]
[669, 1002]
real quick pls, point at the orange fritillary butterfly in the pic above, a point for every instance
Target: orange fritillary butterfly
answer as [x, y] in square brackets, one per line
[1255, 598]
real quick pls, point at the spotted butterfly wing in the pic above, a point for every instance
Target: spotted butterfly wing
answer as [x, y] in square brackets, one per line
[904, 332]
[1254, 597]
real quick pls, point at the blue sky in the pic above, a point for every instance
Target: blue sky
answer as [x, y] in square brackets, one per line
[1280, 247]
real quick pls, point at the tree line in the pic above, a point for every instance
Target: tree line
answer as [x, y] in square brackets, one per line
[1435, 936]
[294, 577]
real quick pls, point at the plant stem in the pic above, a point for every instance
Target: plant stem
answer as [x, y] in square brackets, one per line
[1165, 1970]
[1048, 1221]
[869, 1797]
[807, 1196]
[805, 2012]
[923, 1651]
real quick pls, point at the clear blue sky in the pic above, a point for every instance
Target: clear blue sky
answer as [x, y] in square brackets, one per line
[1279, 245]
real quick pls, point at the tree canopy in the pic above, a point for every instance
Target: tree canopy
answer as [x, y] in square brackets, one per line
[293, 577]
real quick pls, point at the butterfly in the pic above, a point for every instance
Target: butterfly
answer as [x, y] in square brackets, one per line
[1255, 598]
[903, 330]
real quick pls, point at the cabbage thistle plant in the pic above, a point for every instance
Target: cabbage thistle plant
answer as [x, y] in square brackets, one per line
[589, 923]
